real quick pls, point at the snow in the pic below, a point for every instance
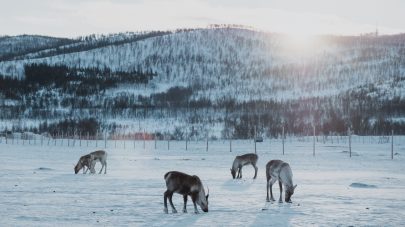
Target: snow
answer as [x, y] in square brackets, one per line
[261, 67]
[39, 188]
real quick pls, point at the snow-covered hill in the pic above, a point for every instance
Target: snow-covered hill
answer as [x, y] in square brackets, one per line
[14, 46]
[245, 64]
[227, 76]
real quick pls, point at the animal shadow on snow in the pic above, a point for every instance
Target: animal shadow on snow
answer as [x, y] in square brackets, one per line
[280, 213]
[180, 219]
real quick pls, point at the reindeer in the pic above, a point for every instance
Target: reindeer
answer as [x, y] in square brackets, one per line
[281, 171]
[185, 185]
[90, 160]
[241, 161]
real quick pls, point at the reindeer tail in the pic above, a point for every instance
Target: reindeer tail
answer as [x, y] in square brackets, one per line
[166, 175]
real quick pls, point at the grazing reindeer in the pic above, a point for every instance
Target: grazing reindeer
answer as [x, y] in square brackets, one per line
[85, 164]
[281, 171]
[90, 160]
[185, 185]
[241, 161]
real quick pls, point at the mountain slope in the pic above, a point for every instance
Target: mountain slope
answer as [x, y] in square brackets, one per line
[14, 46]
[245, 64]
[232, 79]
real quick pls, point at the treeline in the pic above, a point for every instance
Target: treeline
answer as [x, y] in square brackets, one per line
[71, 127]
[93, 41]
[71, 81]
[15, 47]
[332, 115]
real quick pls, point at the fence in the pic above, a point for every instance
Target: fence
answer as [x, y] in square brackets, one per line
[391, 145]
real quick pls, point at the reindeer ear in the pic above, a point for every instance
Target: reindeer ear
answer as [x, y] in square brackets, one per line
[295, 186]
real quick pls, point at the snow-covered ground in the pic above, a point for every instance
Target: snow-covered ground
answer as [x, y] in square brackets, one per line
[39, 188]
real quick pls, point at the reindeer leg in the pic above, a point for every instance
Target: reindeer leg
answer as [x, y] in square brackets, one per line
[240, 170]
[105, 169]
[93, 164]
[194, 198]
[102, 167]
[254, 166]
[267, 190]
[171, 202]
[185, 204]
[101, 170]
[271, 190]
[281, 191]
[165, 201]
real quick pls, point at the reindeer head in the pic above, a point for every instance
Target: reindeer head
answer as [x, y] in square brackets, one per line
[78, 166]
[202, 199]
[233, 172]
[288, 193]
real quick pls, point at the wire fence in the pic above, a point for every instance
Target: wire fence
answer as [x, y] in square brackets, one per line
[390, 145]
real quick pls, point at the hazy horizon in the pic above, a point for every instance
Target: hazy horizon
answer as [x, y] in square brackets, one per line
[72, 18]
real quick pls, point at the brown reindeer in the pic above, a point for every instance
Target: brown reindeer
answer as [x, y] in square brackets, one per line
[281, 171]
[185, 185]
[90, 160]
[241, 161]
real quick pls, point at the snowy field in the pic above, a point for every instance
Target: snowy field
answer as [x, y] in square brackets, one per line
[39, 188]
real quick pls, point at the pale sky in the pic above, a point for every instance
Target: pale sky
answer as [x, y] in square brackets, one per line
[71, 18]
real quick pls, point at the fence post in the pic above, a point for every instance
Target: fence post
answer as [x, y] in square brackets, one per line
[206, 149]
[255, 139]
[350, 141]
[134, 140]
[230, 145]
[282, 139]
[155, 140]
[143, 135]
[125, 142]
[168, 143]
[74, 139]
[313, 151]
[186, 140]
[392, 144]
[96, 137]
[88, 137]
[80, 139]
[105, 139]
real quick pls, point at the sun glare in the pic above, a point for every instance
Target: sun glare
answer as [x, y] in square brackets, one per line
[301, 43]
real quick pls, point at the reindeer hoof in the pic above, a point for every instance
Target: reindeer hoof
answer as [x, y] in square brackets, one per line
[184, 211]
[196, 212]
[174, 211]
[280, 201]
[165, 210]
